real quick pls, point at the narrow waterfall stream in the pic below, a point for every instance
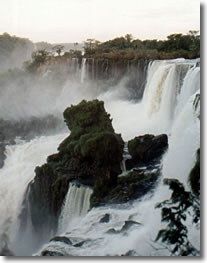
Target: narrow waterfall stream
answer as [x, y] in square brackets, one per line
[75, 207]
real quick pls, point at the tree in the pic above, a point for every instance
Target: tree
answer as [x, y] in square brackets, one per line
[38, 57]
[193, 33]
[73, 53]
[90, 45]
[174, 213]
[58, 49]
[129, 38]
[137, 44]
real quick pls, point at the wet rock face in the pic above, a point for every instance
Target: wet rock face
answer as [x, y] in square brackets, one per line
[146, 148]
[91, 155]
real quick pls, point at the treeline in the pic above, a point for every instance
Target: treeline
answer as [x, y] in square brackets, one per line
[176, 45]
[15, 50]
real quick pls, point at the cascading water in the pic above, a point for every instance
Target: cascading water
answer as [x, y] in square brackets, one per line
[166, 106]
[75, 207]
[131, 229]
[16, 174]
[83, 70]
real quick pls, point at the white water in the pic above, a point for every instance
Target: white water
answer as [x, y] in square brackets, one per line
[156, 112]
[76, 206]
[165, 107]
[83, 70]
[184, 139]
[17, 172]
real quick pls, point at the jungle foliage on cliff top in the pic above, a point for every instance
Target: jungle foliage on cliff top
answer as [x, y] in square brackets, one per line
[176, 45]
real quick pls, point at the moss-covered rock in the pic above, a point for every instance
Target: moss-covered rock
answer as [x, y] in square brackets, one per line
[146, 148]
[129, 187]
[91, 155]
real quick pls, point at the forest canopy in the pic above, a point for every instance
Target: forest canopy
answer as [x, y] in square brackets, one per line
[176, 45]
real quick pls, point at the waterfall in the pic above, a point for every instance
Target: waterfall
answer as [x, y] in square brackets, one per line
[126, 156]
[165, 86]
[167, 106]
[164, 82]
[76, 206]
[83, 70]
[75, 67]
[18, 171]
[177, 80]
[190, 85]
[93, 69]
[187, 125]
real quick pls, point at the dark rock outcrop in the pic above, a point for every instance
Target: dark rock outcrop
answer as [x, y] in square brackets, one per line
[194, 177]
[62, 239]
[129, 187]
[47, 253]
[91, 155]
[127, 224]
[146, 148]
[105, 218]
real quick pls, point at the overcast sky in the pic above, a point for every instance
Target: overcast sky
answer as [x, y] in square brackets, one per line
[77, 20]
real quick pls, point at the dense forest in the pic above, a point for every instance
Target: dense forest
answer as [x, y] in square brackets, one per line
[176, 45]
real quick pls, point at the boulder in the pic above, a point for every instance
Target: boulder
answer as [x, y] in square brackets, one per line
[105, 218]
[90, 155]
[61, 239]
[146, 148]
[129, 187]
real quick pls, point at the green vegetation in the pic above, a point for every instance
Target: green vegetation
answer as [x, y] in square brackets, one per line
[39, 57]
[129, 187]
[175, 211]
[176, 45]
[58, 49]
[121, 49]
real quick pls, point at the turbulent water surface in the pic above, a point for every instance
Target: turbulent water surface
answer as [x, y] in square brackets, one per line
[166, 107]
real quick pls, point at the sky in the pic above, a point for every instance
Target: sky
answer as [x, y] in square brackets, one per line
[60, 21]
